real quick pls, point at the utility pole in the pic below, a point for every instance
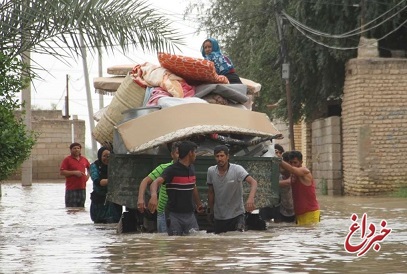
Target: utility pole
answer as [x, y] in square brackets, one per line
[362, 16]
[285, 72]
[66, 116]
[101, 103]
[27, 166]
[88, 94]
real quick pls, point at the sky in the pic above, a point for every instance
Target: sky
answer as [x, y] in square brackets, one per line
[51, 90]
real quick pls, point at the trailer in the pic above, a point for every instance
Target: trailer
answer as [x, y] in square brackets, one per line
[140, 143]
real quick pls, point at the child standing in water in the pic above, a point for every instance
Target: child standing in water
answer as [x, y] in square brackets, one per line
[210, 51]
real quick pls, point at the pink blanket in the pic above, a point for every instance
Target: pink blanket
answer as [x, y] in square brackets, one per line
[158, 92]
[150, 75]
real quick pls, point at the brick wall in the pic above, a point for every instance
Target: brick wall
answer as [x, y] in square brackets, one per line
[302, 141]
[306, 144]
[374, 123]
[55, 136]
[298, 136]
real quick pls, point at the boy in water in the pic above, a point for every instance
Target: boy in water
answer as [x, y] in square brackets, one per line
[306, 206]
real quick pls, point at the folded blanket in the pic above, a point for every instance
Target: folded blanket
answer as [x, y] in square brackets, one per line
[236, 93]
[159, 92]
[150, 75]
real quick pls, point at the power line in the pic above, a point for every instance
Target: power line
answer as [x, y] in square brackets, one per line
[354, 32]
[349, 48]
[301, 28]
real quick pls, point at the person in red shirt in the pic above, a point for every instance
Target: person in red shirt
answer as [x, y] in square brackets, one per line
[306, 206]
[76, 170]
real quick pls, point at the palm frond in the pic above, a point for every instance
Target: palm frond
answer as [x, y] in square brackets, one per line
[36, 25]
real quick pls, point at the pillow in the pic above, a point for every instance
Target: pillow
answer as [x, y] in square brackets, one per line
[191, 68]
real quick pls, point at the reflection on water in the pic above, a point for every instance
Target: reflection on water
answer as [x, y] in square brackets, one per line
[39, 235]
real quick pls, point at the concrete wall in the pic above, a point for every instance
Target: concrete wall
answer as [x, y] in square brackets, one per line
[302, 141]
[361, 152]
[55, 136]
[283, 128]
[327, 155]
[374, 126]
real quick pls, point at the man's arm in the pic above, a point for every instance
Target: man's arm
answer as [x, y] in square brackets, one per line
[253, 188]
[285, 182]
[302, 173]
[297, 171]
[152, 203]
[88, 174]
[141, 191]
[211, 197]
[198, 202]
[68, 173]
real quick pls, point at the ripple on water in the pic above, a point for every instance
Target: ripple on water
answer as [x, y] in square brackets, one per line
[39, 235]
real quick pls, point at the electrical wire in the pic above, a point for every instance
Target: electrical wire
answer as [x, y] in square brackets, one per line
[348, 48]
[351, 33]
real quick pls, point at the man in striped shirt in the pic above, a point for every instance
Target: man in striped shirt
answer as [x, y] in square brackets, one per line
[162, 196]
[180, 181]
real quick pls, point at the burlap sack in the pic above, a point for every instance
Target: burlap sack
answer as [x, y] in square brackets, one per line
[98, 114]
[128, 95]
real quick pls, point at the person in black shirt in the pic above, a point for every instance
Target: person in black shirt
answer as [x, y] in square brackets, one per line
[179, 179]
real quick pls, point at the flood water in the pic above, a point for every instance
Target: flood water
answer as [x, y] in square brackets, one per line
[39, 235]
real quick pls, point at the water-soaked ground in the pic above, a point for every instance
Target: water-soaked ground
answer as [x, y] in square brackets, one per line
[39, 235]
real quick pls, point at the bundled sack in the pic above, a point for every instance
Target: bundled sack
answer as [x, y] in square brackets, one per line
[98, 114]
[128, 95]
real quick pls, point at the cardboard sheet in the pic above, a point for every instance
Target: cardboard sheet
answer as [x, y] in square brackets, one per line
[120, 69]
[107, 84]
[178, 122]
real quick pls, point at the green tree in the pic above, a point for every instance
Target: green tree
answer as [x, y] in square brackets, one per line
[317, 48]
[56, 27]
[17, 142]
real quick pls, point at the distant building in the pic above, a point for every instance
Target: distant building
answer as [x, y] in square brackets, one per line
[55, 135]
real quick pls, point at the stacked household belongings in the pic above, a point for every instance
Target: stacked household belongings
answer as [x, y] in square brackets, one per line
[193, 102]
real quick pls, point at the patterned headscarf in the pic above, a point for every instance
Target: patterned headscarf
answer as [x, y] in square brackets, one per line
[101, 166]
[215, 46]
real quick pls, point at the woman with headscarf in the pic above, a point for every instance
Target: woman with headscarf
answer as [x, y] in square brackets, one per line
[211, 51]
[101, 210]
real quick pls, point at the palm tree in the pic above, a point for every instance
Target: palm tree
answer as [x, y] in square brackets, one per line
[50, 26]
[62, 28]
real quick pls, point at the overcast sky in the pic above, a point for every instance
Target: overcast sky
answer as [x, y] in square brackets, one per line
[52, 90]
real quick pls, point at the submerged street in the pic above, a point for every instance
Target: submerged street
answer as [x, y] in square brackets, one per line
[39, 235]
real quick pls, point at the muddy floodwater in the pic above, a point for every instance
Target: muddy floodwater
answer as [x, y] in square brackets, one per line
[39, 235]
